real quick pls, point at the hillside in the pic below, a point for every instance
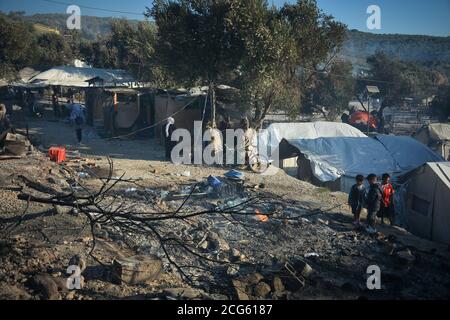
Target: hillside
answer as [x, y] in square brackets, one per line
[409, 48]
[91, 27]
[359, 45]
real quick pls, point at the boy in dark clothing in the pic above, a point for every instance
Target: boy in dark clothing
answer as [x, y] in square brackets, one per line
[387, 201]
[373, 202]
[356, 199]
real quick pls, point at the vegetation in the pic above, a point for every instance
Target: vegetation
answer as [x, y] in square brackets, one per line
[23, 45]
[294, 58]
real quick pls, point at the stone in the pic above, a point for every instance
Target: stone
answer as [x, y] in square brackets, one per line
[278, 285]
[137, 269]
[184, 293]
[261, 290]
[45, 286]
[253, 278]
[217, 243]
[13, 292]
[241, 289]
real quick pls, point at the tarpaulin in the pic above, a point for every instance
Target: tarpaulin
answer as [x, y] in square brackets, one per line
[407, 152]
[332, 158]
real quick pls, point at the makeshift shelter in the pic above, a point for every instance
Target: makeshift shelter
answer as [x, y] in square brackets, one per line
[424, 201]
[333, 162]
[407, 152]
[185, 108]
[119, 110]
[269, 140]
[79, 77]
[437, 137]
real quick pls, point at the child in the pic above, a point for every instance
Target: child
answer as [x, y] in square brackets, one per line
[356, 199]
[373, 202]
[387, 203]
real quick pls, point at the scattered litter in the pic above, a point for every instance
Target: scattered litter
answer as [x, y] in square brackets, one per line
[130, 190]
[235, 175]
[311, 254]
[260, 216]
[164, 194]
[83, 175]
[186, 174]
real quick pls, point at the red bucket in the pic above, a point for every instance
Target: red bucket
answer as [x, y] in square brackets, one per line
[57, 154]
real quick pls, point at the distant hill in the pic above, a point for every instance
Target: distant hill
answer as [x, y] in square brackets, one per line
[91, 27]
[409, 48]
[360, 45]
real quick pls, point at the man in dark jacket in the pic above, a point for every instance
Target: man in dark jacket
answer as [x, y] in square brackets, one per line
[373, 202]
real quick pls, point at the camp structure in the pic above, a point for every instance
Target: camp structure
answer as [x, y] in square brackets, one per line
[270, 141]
[334, 162]
[424, 201]
[114, 111]
[69, 76]
[437, 137]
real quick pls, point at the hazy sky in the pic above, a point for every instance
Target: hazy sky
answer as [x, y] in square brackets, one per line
[430, 17]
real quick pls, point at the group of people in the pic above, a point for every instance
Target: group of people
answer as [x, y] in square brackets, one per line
[377, 199]
[217, 140]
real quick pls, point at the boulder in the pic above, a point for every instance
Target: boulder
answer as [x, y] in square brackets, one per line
[137, 269]
[278, 285]
[45, 286]
[241, 289]
[261, 290]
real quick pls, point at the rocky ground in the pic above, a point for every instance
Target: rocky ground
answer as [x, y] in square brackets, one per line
[302, 245]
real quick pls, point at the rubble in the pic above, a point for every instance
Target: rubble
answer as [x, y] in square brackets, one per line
[236, 255]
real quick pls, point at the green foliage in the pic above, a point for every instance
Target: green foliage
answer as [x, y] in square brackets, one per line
[397, 80]
[441, 103]
[333, 89]
[22, 46]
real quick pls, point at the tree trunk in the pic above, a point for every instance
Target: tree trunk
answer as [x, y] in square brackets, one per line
[212, 91]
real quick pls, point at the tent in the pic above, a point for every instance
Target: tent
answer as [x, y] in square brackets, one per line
[340, 159]
[407, 152]
[271, 137]
[270, 140]
[437, 137]
[424, 200]
[79, 77]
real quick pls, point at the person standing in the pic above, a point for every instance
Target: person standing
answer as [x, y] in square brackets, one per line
[373, 202]
[56, 105]
[168, 129]
[224, 125]
[387, 202]
[356, 199]
[78, 118]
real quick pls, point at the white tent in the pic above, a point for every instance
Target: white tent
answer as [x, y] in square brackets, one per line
[271, 137]
[78, 77]
[424, 202]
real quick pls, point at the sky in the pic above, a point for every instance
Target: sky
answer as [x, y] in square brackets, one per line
[425, 17]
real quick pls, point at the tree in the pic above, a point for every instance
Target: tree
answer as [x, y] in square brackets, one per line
[197, 41]
[333, 90]
[279, 44]
[441, 103]
[397, 80]
[52, 50]
[16, 40]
